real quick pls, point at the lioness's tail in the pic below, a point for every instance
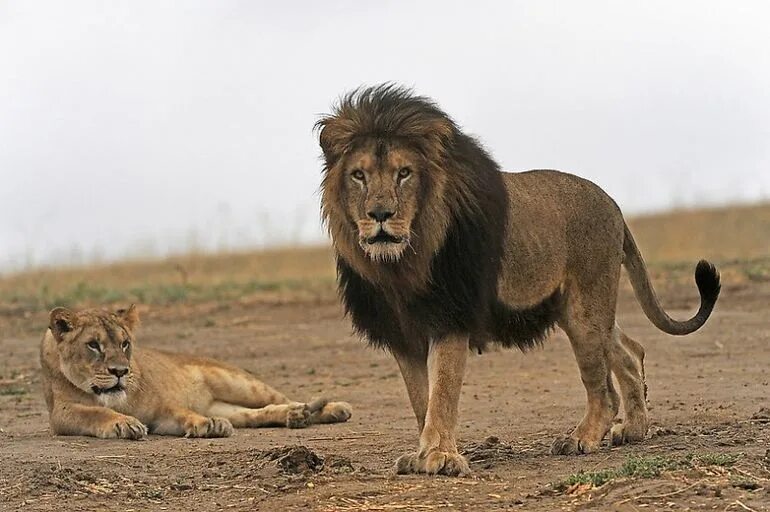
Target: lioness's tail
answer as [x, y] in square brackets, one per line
[706, 277]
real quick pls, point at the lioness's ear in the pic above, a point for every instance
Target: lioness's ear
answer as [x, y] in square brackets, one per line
[130, 316]
[60, 320]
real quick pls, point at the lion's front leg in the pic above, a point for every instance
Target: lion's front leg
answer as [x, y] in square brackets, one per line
[414, 370]
[437, 453]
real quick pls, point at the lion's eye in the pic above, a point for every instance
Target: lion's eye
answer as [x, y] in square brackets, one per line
[125, 346]
[404, 172]
[94, 345]
[358, 174]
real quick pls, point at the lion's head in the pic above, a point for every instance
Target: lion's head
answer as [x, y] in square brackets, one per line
[95, 349]
[417, 211]
[384, 184]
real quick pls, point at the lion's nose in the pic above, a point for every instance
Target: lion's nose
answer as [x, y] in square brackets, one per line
[380, 214]
[118, 371]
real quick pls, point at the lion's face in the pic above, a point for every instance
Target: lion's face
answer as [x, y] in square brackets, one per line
[382, 186]
[95, 350]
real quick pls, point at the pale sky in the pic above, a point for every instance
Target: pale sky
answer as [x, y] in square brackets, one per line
[135, 128]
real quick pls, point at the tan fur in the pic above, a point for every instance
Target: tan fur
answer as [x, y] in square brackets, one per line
[162, 392]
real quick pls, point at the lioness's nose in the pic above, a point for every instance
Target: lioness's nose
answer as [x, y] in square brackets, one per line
[380, 214]
[118, 371]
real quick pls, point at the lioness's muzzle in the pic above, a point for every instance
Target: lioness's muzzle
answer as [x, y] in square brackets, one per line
[114, 389]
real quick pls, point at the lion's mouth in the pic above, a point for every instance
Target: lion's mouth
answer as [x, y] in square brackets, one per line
[383, 237]
[117, 388]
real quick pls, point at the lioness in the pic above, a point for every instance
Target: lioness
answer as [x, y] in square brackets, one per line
[97, 382]
[438, 251]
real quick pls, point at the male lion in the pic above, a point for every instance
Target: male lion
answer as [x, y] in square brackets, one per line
[97, 382]
[438, 251]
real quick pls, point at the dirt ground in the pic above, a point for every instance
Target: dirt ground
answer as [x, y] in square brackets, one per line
[709, 395]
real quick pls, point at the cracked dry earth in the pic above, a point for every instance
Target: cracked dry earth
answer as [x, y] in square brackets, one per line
[708, 396]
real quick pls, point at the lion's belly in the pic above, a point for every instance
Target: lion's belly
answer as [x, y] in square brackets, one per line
[533, 267]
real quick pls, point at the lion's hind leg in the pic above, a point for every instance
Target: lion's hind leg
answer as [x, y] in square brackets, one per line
[627, 360]
[588, 321]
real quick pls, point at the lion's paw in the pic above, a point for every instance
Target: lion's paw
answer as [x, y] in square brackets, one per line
[298, 416]
[623, 433]
[126, 427]
[568, 445]
[435, 462]
[209, 427]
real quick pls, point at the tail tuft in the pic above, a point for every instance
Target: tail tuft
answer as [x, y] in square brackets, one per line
[707, 279]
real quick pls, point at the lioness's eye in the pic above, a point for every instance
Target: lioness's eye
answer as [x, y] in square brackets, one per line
[125, 345]
[358, 174]
[94, 345]
[404, 172]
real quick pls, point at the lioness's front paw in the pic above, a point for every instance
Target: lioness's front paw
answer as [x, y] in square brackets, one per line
[298, 416]
[126, 427]
[209, 427]
[435, 462]
[568, 445]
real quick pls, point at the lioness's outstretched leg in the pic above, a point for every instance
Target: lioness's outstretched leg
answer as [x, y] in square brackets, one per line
[438, 447]
[248, 402]
[627, 360]
[291, 415]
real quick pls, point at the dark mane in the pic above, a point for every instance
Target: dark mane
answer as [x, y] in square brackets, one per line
[458, 292]
[385, 111]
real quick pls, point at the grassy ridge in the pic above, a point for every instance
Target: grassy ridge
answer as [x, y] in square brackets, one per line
[737, 238]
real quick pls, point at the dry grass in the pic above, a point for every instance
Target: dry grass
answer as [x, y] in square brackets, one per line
[718, 234]
[188, 278]
[737, 238]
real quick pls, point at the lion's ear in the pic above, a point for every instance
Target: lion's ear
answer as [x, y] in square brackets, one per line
[129, 316]
[438, 132]
[60, 321]
[336, 135]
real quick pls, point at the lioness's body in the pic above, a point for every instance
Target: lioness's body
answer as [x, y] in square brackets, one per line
[161, 392]
[438, 251]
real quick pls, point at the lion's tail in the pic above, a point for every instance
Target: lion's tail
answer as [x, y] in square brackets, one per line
[706, 277]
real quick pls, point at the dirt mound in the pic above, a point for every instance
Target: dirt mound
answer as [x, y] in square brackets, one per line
[489, 452]
[761, 416]
[295, 460]
[338, 464]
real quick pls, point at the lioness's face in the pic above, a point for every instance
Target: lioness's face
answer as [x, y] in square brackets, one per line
[382, 184]
[95, 350]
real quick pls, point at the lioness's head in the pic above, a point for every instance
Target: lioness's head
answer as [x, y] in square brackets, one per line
[95, 349]
[383, 149]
